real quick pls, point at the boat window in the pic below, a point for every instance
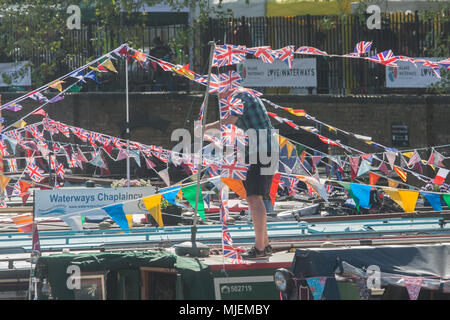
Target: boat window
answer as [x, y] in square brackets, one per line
[158, 284]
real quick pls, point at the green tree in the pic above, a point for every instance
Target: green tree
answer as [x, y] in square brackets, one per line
[40, 31]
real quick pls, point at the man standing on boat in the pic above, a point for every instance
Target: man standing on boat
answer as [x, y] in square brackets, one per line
[259, 155]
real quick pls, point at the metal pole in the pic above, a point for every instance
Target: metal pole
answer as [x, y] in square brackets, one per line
[205, 106]
[127, 122]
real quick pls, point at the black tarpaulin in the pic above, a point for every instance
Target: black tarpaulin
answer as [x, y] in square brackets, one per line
[415, 260]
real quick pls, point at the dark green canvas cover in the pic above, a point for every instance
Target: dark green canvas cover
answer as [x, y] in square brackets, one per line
[414, 260]
[196, 276]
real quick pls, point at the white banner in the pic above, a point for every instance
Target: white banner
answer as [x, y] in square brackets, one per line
[408, 75]
[256, 73]
[15, 74]
[55, 203]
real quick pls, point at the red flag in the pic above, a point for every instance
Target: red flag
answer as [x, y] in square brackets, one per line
[373, 178]
[274, 187]
[40, 112]
[35, 246]
[440, 176]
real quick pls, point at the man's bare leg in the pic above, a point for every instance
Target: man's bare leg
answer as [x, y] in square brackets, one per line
[259, 219]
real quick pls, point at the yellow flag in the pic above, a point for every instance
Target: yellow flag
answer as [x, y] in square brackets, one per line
[184, 71]
[408, 154]
[4, 182]
[409, 199]
[393, 193]
[130, 220]
[57, 85]
[109, 65]
[284, 142]
[20, 124]
[332, 129]
[153, 205]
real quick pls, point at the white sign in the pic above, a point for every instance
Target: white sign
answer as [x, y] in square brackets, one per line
[408, 75]
[55, 203]
[256, 73]
[15, 74]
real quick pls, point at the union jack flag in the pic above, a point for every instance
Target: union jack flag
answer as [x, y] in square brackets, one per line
[3, 149]
[105, 141]
[404, 58]
[201, 113]
[71, 161]
[117, 143]
[328, 141]
[232, 135]
[432, 65]
[56, 147]
[228, 250]
[286, 54]
[293, 186]
[53, 162]
[165, 65]
[201, 79]
[64, 129]
[36, 95]
[226, 55]
[385, 58]
[35, 173]
[266, 54]
[17, 190]
[311, 50]
[93, 136]
[213, 170]
[252, 92]
[82, 134]
[233, 170]
[229, 81]
[231, 106]
[445, 63]
[214, 84]
[223, 198]
[362, 47]
[34, 131]
[60, 171]
[12, 164]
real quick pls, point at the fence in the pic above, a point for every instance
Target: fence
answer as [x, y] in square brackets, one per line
[406, 34]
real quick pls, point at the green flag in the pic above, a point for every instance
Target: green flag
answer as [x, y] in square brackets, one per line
[346, 185]
[190, 193]
[74, 88]
[446, 198]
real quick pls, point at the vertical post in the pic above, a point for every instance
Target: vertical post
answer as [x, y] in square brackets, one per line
[205, 106]
[127, 121]
[1, 129]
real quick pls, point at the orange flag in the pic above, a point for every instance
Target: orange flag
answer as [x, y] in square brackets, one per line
[24, 223]
[237, 186]
[392, 183]
[373, 178]
[4, 182]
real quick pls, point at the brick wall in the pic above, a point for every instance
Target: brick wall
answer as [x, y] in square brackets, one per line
[153, 116]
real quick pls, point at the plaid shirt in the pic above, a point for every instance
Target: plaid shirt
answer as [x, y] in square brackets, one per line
[254, 117]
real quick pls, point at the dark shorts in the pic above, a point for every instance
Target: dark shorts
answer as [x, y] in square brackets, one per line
[257, 184]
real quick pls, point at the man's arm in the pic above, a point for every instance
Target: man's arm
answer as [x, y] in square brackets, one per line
[216, 125]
